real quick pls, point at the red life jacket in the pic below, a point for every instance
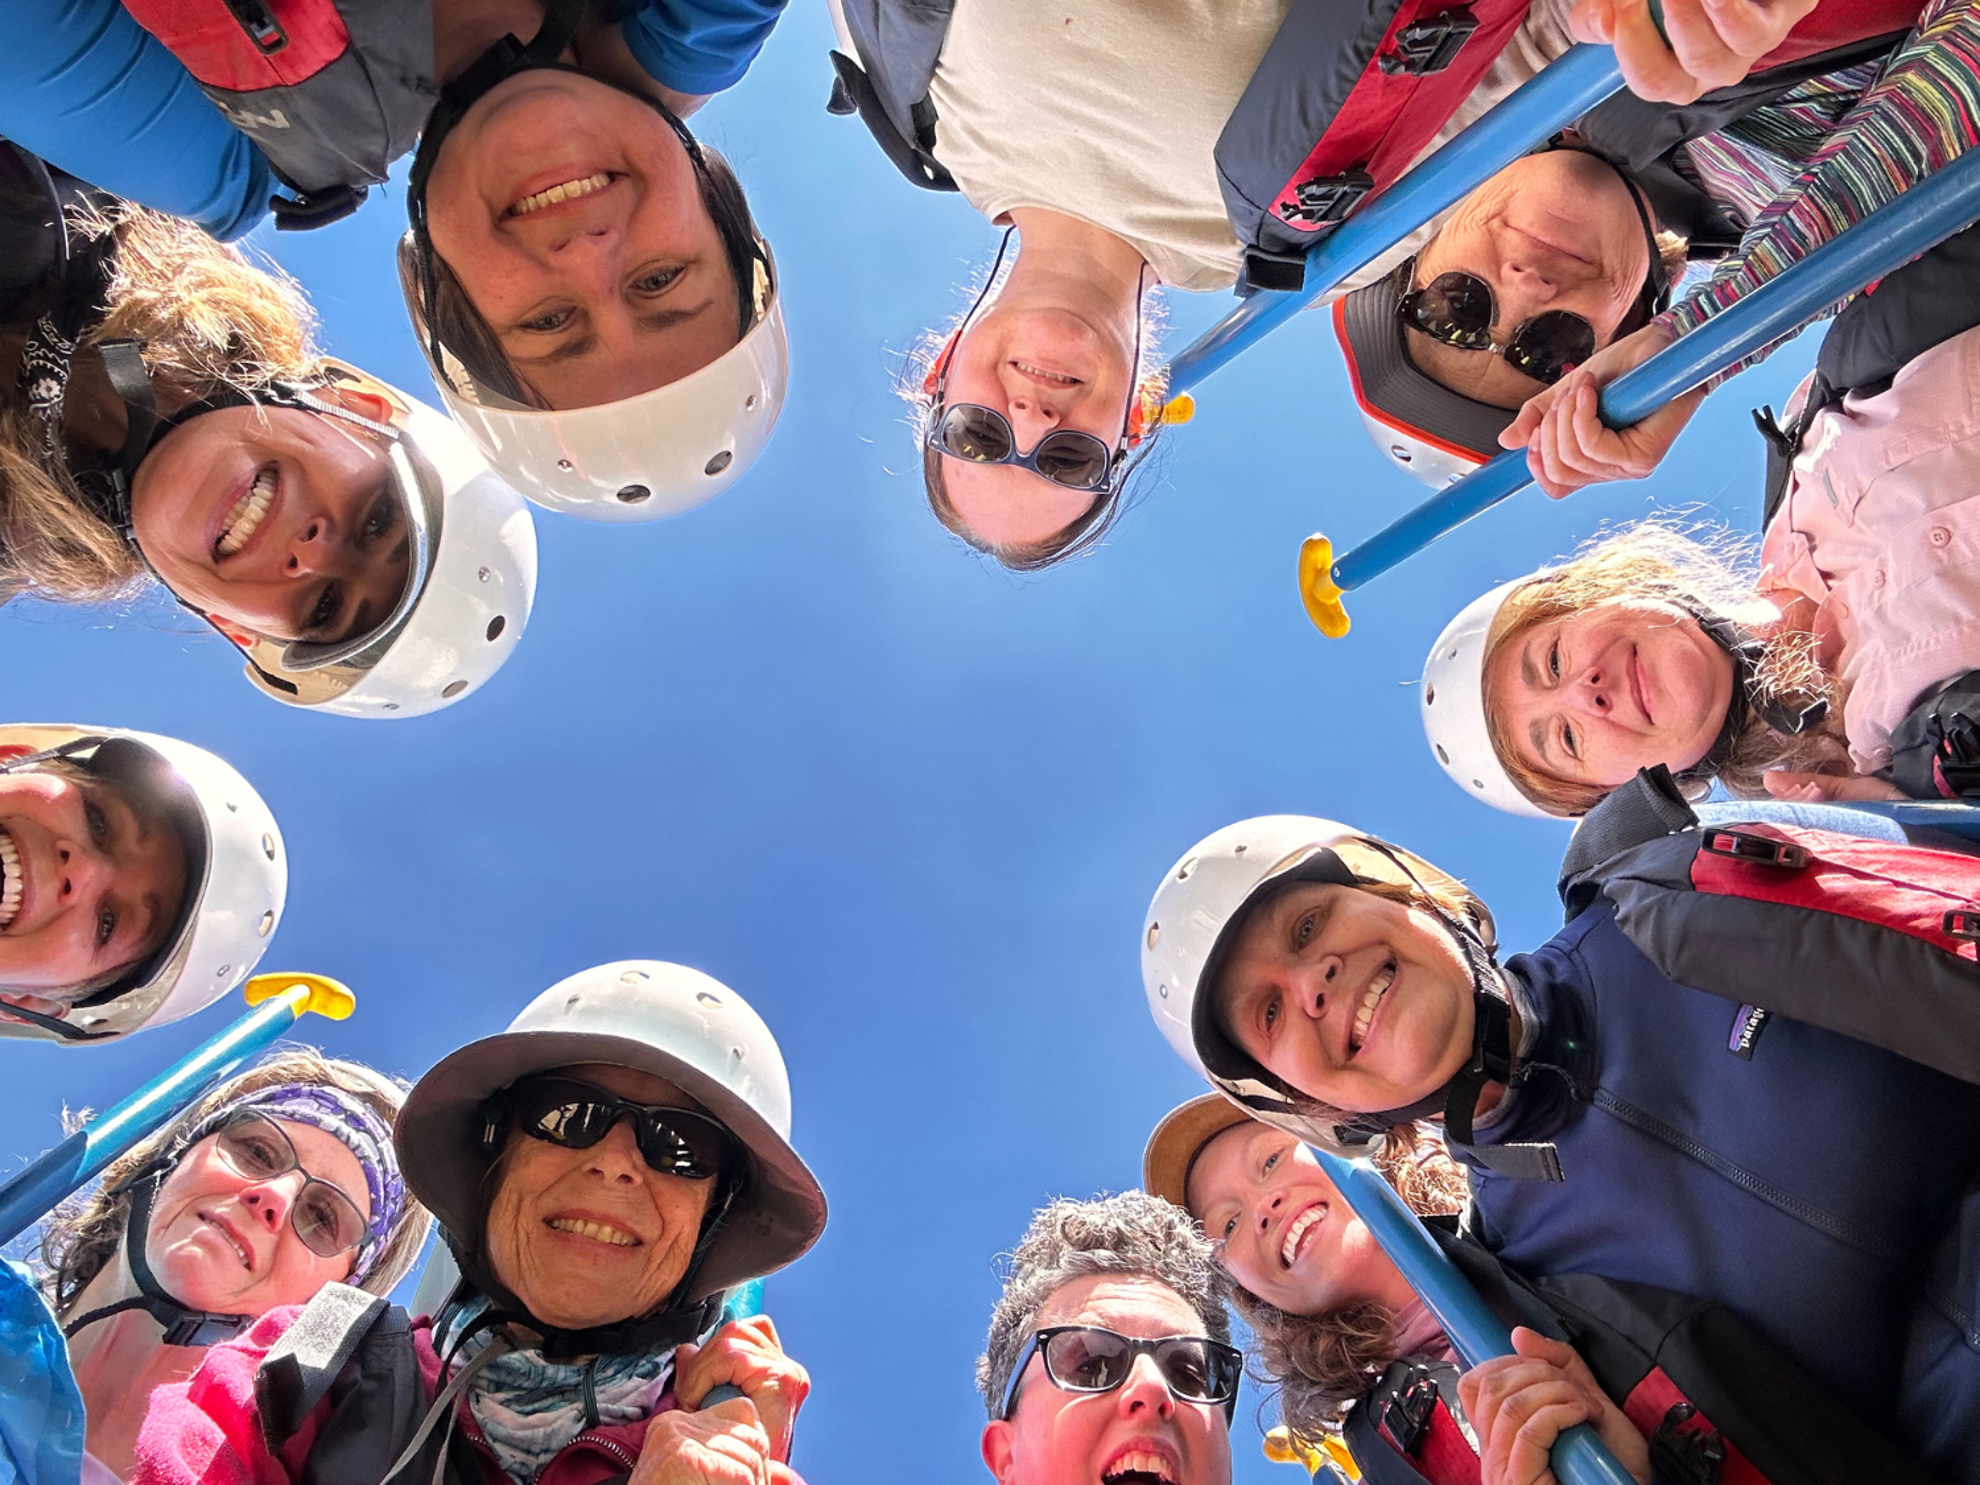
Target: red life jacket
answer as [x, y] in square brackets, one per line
[331, 90]
[1399, 70]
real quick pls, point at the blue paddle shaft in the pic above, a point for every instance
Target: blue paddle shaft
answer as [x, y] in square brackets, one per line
[32, 1194]
[744, 1301]
[1579, 80]
[1579, 1457]
[1929, 212]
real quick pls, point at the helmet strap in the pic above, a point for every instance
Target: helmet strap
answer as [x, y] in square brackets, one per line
[184, 1326]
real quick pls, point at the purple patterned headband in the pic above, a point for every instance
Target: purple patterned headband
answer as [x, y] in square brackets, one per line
[363, 1132]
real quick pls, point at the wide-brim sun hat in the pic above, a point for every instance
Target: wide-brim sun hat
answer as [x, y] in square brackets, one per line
[664, 1019]
[1181, 1136]
[1432, 434]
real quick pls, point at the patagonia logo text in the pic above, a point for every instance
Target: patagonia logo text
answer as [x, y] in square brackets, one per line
[1746, 1028]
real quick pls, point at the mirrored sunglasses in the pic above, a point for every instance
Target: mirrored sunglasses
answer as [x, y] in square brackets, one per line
[1457, 309]
[1093, 1359]
[577, 1115]
[982, 435]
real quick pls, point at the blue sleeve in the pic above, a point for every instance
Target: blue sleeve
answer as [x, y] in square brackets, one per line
[86, 88]
[697, 46]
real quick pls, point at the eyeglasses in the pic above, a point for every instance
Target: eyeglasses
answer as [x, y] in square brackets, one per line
[1091, 1359]
[327, 1221]
[576, 1115]
[1457, 309]
[982, 435]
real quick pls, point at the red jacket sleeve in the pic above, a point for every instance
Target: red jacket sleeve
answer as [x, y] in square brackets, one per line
[207, 1430]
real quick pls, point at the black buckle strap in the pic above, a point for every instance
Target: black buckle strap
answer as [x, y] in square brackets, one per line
[261, 26]
[1404, 1414]
[1327, 198]
[1427, 46]
[1686, 1456]
[1961, 923]
[1742, 845]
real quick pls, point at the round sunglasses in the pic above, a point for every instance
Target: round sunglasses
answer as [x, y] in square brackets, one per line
[1092, 1359]
[982, 435]
[326, 1220]
[577, 1115]
[1457, 309]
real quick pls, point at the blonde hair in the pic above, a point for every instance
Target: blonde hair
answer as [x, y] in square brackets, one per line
[1318, 1364]
[1083, 532]
[1709, 571]
[207, 316]
[85, 1232]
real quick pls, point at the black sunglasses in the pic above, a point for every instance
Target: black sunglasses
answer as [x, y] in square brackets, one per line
[327, 1220]
[1092, 1359]
[1457, 309]
[577, 1115]
[982, 435]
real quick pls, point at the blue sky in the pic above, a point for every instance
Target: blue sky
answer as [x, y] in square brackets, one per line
[910, 806]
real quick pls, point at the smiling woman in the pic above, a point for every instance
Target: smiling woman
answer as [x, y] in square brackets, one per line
[1648, 647]
[278, 1182]
[177, 421]
[140, 880]
[603, 1172]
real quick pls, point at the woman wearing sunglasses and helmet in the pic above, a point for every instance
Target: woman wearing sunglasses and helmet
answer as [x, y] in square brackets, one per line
[595, 301]
[141, 879]
[169, 417]
[1548, 281]
[278, 1182]
[603, 1172]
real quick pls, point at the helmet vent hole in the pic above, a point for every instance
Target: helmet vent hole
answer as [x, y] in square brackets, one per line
[1429, 695]
[453, 689]
[233, 808]
[1240, 849]
[495, 627]
[391, 706]
[223, 971]
[1154, 934]
[737, 1053]
[267, 924]
[572, 1001]
[482, 574]
[1442, 756]
[706, 998]
[634, 494]
[1402, 454]
[633, 977]
[720, 462]
[1479, 785]
[268, 846]
[1183, 871]
[749, 403]
[1163, 991]
[566, 465]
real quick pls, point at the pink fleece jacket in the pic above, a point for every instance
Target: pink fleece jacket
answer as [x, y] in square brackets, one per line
[206, 1430]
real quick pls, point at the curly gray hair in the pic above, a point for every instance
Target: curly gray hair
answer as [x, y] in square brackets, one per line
[1133, 1233]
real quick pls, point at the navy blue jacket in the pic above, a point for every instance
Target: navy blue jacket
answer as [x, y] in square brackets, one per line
[1813, 1187]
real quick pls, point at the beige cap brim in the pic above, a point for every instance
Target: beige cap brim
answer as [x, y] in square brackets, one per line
[1179, 1139]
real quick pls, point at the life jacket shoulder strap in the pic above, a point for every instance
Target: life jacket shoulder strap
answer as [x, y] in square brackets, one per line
[301, 1368]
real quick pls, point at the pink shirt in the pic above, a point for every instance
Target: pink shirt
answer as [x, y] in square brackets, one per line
[1881, 529]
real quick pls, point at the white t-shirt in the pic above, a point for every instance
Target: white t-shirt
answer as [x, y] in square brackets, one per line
[1109, 111]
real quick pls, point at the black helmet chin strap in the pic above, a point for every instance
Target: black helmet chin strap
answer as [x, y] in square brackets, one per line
[1492, 1061]
[184, 1326]
[1749, 698]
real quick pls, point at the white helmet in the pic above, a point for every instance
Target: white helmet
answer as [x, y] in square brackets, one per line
[237, 877]
[664, 1019]
[644, 457]
[466, 602]
[1453, 702]
[1189, 931]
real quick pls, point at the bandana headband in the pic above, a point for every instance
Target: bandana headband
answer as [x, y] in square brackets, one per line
[361, 1130]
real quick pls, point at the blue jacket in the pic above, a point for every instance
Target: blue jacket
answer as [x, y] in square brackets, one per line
[1813, 1187]
[88, 90]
